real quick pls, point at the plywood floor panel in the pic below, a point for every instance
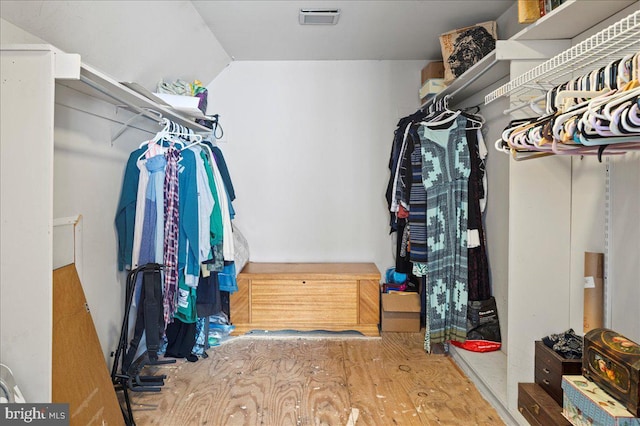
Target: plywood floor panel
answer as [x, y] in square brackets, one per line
[80, 376]
[312, 381]
[379, 399]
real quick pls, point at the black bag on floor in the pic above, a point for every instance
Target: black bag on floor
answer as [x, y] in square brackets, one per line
[483, 327]
[482, 320]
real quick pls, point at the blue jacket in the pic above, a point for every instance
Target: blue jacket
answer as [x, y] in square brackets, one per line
[126, 211]
[188, 215]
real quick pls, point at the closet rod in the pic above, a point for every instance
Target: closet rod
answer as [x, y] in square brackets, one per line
[106, 92]
[104, 117]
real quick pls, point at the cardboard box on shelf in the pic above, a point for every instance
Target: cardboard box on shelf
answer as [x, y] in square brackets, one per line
[434, 69]
[431, 87]
[401, 311]
[529, 11]
[464, 47]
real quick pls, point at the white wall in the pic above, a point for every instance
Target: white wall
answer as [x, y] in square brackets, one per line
[88, 173]
[308, 146]
[593, 229]
[587, 227]
[26, 162]
[624, 246]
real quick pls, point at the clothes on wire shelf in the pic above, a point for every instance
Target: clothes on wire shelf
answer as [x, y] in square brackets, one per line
[175, 209]
[597, 113]
[436, 194]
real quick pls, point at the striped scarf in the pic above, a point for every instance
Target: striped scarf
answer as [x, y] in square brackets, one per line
[171, 228]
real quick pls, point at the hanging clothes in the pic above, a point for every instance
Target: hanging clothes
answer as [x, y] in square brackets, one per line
[224, 171]
[596, 114]
[126, 211]
[175, 210]
[139, 218]
[436, 194]
[215, 222]
[445, 173]
[205, 206]
[223, 198]
[418, 208]
[152, 249]
[181, 338]
[188, 245]
[208, 301]
[406, 196]
[478, 264]
[171, 232]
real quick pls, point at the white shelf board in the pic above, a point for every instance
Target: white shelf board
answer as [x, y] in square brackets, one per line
[571, 19]
[480, 76]
[110, 90]
[565, 22]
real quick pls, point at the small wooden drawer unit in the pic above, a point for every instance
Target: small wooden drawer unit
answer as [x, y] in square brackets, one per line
[550, 367]
[307, 296]
[537, 406]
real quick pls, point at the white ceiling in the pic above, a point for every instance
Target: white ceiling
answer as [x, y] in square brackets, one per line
[396, 30]
[144, 41]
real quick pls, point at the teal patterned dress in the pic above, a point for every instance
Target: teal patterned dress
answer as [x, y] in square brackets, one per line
[446, 166]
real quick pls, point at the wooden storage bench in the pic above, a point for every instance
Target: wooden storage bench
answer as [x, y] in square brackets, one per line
[307, 296]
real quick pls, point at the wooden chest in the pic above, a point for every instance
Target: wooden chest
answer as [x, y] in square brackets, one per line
[613, 362]
[537, 406]
[550, 367]
[307, 296]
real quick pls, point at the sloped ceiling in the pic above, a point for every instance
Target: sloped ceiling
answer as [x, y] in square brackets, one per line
[141, 41]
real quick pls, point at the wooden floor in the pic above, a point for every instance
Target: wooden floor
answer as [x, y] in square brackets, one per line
[312, 381]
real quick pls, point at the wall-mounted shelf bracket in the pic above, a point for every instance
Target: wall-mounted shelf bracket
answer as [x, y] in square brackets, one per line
[127, 123]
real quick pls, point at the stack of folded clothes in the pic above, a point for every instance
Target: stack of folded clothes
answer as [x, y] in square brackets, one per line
[567, 344]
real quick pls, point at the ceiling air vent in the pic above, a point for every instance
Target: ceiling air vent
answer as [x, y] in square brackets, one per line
[319, 16]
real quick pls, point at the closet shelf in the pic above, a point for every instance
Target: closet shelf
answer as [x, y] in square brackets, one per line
[611, 43]
[563, 22]
[101, 86]
[480, 76]
[558, 25]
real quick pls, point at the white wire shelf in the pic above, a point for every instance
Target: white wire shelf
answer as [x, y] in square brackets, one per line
[610, 44]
